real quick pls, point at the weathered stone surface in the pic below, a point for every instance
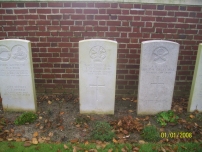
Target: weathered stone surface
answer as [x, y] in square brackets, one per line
[195, 99]
[158, 64]
[97, 75]
[17, 86]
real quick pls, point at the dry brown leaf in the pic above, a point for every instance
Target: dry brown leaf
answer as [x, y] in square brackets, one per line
[50, 134]
[35, 134]
[27, 144]
[192, 116]
[110, 150]
[49, 102]
[86, 143]
[1, 139]
[124, 99]
[61, 128]
[131, 111]
[66, 147]
[18, 134]
[74, 140]
[61, 113]
[18, 139]
[141, 142]
[114, 140]
[34, 141]
[146, 118]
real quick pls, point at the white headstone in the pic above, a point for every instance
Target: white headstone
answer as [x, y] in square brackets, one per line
[195, 99]
[158, 64]
[16, 75]
[97, 75]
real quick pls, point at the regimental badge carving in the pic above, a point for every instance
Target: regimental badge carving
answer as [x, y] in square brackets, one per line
[98, 53]
[19, 53]
[160, 55]
[5, 54]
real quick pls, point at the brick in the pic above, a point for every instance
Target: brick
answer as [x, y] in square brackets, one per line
[10, 28]
[160, 25]
[53, 39]
[114, 23]
[160, 7]
[31, 17]
[57, 17]
[90, 11]
[9, 17]
[45, 55]
[77, 28]
[192, 8]
[112, 34]
[199, 15]
[65, 34]
[100, 28]
[169, 31]
[125, 29]
[101, 17]
[192, 14]
[30, 4]
[68, 75]
[93, 23]
[64, 44]
[58, 70]
[47, 75]
[169, 19]
[123, 40]
[66, 16]
[181, 25]
[67, 66]
[160, 13]
[102, 5]
[66, 55]
[167, 7]
[148, 6]
[54, 28]
[185, 14]
[183, 8]
[126, 5]
[43, 11]
[31, 28]
[66, 22]
[20, 4]
[160, 36]
[78, 17]
[191, 31]
[54, 59]
[147, 29]
[59, 81]
[8, 5]
[55, 4]
[21, 11]
[79, 4]
[137, 12]
[125, 17]
[147, 18]
[9, 11]
[191, 20]
[139, 35]
[113, 11]
[43, 44]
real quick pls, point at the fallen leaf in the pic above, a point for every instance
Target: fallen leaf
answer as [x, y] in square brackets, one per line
[74, 140]
[34, 141]
[124, 99]
[61, 113]
[131, 111]
[141, 142]
[18, 134]
[192, 116]
[61, 128]
[66, 147]
[49, 102]
[35, 134]
[110, 150]
[23, 139]
[50, 134]
[40, 117]
[27, 144]
[114, 140]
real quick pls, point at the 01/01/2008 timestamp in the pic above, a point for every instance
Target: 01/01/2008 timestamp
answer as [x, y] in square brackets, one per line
[176, 135]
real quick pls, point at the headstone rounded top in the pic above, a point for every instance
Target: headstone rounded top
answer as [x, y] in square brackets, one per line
[98, 40]
[17, 40]
[159, 41]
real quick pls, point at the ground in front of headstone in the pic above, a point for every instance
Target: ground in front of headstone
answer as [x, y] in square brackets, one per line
[59, 120]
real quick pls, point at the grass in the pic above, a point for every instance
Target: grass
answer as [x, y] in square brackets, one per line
[150, 133]
[102, 131]
[149, 147]
[26, 117]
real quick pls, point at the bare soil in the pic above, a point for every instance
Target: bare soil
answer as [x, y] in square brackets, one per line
[59, 120]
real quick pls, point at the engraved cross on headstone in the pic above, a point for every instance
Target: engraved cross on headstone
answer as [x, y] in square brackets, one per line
[96, 85]
[157, 84]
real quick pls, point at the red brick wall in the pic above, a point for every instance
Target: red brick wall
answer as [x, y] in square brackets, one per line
[55, 28]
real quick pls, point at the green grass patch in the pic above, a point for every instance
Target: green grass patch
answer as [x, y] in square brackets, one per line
[149, 147]
[150, 133]
[102, 131]
[167, 116]
[26, 117]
